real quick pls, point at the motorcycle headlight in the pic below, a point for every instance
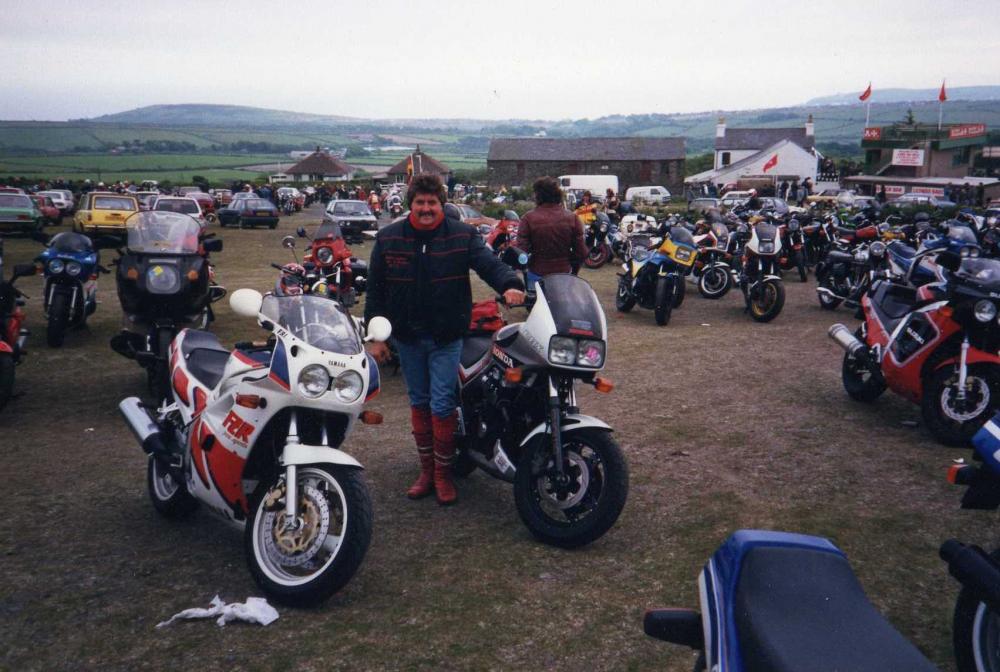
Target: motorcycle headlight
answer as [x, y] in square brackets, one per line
[56, 266]
[522, 259]
[965, 251]
[562, 350]
[877, 249]
[324, 255]
[73, 268]
[163, 279]
[314, 380]
[985, 310]
[590, 353]
[793, 225]
[766, 247]
[348, 386]
[604, 228]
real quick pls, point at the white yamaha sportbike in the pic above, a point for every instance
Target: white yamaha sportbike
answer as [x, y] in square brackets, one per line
[519, 420]
[256, 433]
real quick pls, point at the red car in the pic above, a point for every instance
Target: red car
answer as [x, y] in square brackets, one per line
[48, 209]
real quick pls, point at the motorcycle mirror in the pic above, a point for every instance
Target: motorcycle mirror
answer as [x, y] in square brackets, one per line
[246, 302]
[288, 242]
[379, 330]
[214, 245]
[23, 270]
[949, 260]
[300, 232]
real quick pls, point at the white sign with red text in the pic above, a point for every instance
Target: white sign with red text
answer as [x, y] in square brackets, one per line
[930, 191]
[907, 157]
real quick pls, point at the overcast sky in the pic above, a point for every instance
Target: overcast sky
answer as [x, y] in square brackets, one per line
[530, 59]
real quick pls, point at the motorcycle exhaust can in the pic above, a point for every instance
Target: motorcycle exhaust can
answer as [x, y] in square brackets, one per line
[145, 429]
[843, 337]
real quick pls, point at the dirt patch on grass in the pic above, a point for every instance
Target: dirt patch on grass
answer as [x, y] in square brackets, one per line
[725, 423]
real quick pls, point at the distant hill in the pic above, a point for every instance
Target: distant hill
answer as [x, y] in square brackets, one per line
[911, 95]
[217, 115]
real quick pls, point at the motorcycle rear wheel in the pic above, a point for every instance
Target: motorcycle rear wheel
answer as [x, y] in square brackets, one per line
[664, 301]
[859, 382]
[976, 632]
[6, 378]
[598, 256]
[624, 299]
[951, 423]
[714, 282]
[299, 568]
[767, 301]
[55, 332]
[596, 495]
[170, 498]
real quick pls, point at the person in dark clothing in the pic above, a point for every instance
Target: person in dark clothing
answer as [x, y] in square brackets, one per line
[418, 278]
[550, 233]
[882, 196]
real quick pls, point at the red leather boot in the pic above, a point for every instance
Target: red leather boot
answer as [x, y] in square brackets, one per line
[423, 434]
[444, 457]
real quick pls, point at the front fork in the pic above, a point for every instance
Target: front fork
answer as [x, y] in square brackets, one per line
[555, 421]
[962, 369]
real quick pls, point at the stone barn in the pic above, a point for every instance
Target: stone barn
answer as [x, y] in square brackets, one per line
[635, 161]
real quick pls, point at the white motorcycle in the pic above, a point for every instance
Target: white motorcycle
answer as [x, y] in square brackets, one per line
[256, 433]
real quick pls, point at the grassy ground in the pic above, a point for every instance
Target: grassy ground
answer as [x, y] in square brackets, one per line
[725, 423]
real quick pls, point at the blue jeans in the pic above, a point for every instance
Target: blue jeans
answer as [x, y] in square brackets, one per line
[431, 373]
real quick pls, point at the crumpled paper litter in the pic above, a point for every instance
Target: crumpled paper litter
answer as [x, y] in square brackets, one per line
[254, 610]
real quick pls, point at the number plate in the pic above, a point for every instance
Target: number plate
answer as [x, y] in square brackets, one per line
[500, 459]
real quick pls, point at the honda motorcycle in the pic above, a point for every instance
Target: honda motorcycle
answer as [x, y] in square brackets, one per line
[71, 264]
[256, 434]
[976, 624]
[793, 255]
[164, 284]
[654, 274]
[596, 237]
[712, 268]
[935, 345]
[759, 279]
[519, 420]
[782, 602]
[13, 335]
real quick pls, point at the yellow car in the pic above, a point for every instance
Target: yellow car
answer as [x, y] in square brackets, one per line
[104, 212]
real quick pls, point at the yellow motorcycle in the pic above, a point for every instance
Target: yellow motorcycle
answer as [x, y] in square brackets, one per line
[654, 272]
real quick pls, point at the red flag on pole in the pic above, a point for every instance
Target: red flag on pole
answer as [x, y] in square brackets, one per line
[867, 94]
[771, 163]
[942, 96]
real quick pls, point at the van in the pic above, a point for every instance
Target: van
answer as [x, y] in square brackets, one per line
[649, 195]
[597, 185]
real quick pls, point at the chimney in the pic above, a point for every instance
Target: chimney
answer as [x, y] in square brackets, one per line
[810, 130]
[720, 128]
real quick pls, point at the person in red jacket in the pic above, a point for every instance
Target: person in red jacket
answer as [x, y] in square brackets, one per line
[550, 233]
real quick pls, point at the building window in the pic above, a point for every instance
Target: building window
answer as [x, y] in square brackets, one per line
[725, 158]
[960, 157]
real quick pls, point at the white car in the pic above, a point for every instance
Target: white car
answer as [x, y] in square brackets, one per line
[181, 204]
[648, 195]
[734, 198]
[59, 200]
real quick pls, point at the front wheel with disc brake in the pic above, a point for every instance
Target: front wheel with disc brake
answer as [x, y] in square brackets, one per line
[576, 507]
[303, 562]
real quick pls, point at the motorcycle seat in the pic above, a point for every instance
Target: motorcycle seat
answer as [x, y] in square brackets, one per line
[902, 250]
[838, 257]
[473, 349]
[206, 358]
[804, 609]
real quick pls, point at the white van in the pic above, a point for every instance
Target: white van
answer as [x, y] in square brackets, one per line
[597, 185]
[648, 195]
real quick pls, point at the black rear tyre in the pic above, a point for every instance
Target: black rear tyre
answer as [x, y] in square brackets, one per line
[170, 496]
[664, 301]
[597, 257]
[714, 282]
[859, 382]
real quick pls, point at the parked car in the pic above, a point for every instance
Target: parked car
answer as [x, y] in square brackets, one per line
[653, 195]
[104, 212]
[826, 197]
[731, 199]
[913, 200]
[19, 213]
[59, 200]
[50, 213]
[146, 199]
[207, 204]
[354, 218]
[184, 191]
[254, 211]
[223, 197]
[11, 190]
[700, 206]
[183, 204]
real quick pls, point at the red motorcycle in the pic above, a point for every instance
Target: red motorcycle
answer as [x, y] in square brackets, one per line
[12, 334]
[935, 345]
[332, 258]
[504, 233]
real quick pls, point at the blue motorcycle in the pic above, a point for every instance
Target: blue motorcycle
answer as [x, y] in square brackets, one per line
[910, 264]
[70, 264]
[780, 602]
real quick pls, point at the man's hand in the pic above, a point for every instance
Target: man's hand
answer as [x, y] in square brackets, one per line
[380, 351]
[513, 297]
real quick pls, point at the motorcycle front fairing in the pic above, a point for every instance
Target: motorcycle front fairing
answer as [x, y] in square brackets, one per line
[69, 263]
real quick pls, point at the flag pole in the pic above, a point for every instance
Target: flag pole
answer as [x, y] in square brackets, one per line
[940, 113]
[868, 113]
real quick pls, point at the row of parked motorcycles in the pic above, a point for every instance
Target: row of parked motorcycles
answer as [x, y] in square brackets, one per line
[258, 433]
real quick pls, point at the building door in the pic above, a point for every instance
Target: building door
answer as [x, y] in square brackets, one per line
[646, 171]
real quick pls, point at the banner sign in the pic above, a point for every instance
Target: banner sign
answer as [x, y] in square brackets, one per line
[872, 133]
[930, 191]
[894, 190]
[966, 131]
[907, 157]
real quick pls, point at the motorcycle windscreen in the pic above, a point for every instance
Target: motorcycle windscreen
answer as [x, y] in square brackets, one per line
[681, 236]
[320, 322]
[161, 232]
[574, 306]
[962, 234]
[68, 242]
[766, 231]
[981, 272]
